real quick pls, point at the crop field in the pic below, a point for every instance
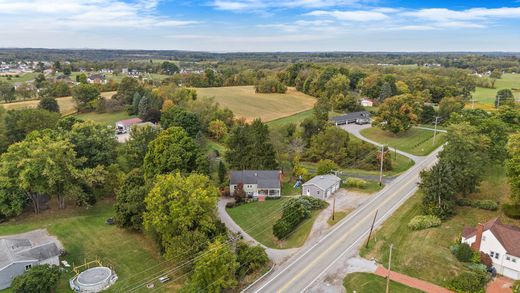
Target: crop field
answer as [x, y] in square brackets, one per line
[244, 102]
[485, 97]
[67, 105]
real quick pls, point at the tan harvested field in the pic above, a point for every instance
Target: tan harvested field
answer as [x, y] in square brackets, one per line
[67, 105]
[244, 102]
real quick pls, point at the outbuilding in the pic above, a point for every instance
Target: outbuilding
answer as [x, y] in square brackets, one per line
[321, 186]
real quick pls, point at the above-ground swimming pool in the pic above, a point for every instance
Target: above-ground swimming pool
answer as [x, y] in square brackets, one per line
[93, 280]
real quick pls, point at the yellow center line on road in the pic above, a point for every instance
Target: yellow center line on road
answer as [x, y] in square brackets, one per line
[340, 240]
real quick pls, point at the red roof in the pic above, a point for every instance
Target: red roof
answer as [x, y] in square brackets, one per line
[128, 122]
[507, 235]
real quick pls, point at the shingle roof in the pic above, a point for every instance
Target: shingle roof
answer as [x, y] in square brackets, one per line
[12, 250]
[96, 76]
[507, 235]
[131, 121]
[323, 181]
[351, 116]
[263, 178]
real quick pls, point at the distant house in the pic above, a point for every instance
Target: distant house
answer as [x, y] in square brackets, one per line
[263, 183]
[501, 242]
[367, 103]
[321, 186]
[362, 117]
[124, 126]
[20, 254]
[64, 78]
[97, 78]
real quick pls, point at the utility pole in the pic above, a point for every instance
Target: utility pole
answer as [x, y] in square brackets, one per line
[435, 131]
[371, 228]
[333, 207]
[389, 268]
[381, 169]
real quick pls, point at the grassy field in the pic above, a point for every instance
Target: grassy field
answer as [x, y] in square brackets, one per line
[106, 118]
[85, 236]
[338, 216]
[371, 186]
[258, 218]
[370, 283]
[295, 118]
[21, 77]
[244, 102]
[430, 259]
[485, 97]
[415, 141]
[66, 104]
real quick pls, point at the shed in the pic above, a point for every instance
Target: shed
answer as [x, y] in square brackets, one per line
[321, 186]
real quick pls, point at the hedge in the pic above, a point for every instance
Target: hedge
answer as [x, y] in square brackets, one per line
[512, 211]
[484, 204]
[462, 252]
[424, 222]
[474, 281]
[356, 182]
[294, 212]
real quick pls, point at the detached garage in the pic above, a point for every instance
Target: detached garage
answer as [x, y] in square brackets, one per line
[321, 186]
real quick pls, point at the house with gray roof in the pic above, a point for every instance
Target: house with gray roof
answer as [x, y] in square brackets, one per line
[362, 117]
[257, 182]
[17, 255]
[321, 186]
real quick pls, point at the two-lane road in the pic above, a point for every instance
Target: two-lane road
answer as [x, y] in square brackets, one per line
[299, 272]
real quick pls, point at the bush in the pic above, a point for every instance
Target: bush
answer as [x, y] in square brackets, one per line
[516, 287]
[356, 183]
[294, 212]
[230, 204]
[250, 258]
[484, 204]
[462, 252]
[512, 211]
[41, 278]
[474, 281]
[270, 85]
[424, 222]
[326, 167]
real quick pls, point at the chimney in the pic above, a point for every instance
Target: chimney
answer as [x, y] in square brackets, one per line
[478, 237]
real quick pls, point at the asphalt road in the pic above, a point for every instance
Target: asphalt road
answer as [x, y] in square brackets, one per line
[309, 264]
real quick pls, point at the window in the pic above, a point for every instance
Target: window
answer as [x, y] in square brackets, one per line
[513, 259]
[497, 255]
[28, 267]
[492, 254]
[483, 238]
[507, 258]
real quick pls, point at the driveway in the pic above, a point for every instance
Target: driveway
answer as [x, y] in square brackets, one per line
[500, 285]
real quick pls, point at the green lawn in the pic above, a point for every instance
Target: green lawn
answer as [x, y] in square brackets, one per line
[338, 216]
[430, 259]
[415, 141]
[485, 97]
[372, 186]
[370, 283]
[295, 118]
[21, 77]
[106, 118]
[258, 218]
[244, 102]
[85, 236]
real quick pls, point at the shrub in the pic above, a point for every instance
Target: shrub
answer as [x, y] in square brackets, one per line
[41, 278]
[484, 204]
[474, 281]
[270, 85]
[512, 211]
[250, 258]
[516, 287]
[326, 167]
[462, 252]
[424, 222]
[315, 203]
[230, 204]
[294, 212]
[356, 183]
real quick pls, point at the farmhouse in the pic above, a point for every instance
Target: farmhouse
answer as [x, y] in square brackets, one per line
[124, 126]
[500, 242]
[19, 253]
[97, 78]
[321, 186]
[257, 183]
[362, 117]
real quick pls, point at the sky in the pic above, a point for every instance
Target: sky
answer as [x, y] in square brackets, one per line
[260, 26]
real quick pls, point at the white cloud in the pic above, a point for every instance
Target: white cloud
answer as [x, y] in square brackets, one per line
[438, 14]
[355, 15]
[256, 5]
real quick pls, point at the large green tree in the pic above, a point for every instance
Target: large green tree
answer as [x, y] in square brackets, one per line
[173, 151]
[134, 150]
[49, 104]
[176, 116]
[439, 190]
[130, 197]
[19, 123]
[399, 113]
[84, 94]
[504, 97]
[513, 166]
[95, 142]
[7, 91]
[127, 89]
[4, 142]
[38, 279]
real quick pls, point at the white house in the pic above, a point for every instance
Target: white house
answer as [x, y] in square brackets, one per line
[501, 242]
[124, 126]
[367, 103]
[321, 186]
[263, 183]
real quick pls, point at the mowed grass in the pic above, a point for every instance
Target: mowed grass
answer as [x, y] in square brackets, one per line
[485, 97]
[257, 220]
[244, 102]
[415, 141]
[295, 118]
[431, 259]
[22, 77]
[67, 104]
[85, 236]
[370, 283]
[105, 118]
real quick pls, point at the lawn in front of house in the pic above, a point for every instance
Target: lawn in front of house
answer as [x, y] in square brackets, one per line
[105, 118]
[485, 97]
[431, 259]
[257, 220]
[370, 283]
[414, 141]
[85, 236]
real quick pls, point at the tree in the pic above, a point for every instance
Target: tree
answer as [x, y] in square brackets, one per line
[7, 91]
[221, 172]
[339, 84]
[134, 150]
[181, 212]
[38, 279]
[143, 107]
[177, 116]
[250, 258]
[49, 104]
[217, 129]
[332, 144]
[450, 105]
[428, 114]
[513, 167]
[438, 187]
[84, 95]
[326, 167]
[399, 113]
[26, 91]
[504, 97]
[127, 89]
[173, 151]
[386, 92]
[19, 123]
[95, 142]
[130, 197]
[4, 142]
[169, 68]
[346, 102]
[82, 78]
[249, 147]
[270, 85]
[215, 270]
[40, 81]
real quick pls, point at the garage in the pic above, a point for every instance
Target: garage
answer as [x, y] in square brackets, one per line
[511, 274]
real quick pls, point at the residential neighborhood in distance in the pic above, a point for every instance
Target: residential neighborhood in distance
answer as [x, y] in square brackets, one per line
[259, 146]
